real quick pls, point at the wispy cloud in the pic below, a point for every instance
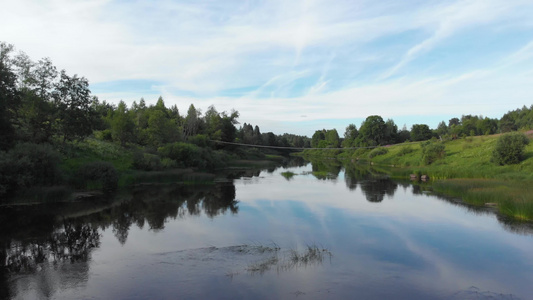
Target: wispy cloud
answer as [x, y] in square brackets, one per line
[326, 60]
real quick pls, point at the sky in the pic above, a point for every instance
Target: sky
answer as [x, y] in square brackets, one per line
[291, 66]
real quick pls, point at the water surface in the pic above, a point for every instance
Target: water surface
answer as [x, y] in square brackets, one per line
[253, 237]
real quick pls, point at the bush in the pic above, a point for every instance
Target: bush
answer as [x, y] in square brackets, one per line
[146, 161]
[186, 155]
[378, 151]
[510, 148]
[102, 173]
[28, 165]
[432, 152]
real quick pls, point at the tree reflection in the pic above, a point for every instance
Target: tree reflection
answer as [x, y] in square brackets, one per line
[376, 189]
[354, 173]
[32, 238]
[326, 169]
[155, 205]
[70, 243]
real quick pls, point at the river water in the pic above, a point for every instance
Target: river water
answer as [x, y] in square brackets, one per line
[338, 233]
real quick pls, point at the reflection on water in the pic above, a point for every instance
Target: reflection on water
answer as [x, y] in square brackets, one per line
[41, 239]
[334, 230]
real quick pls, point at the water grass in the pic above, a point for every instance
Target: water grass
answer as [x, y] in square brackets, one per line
[311, 255]
[288, 175]
[511, 198]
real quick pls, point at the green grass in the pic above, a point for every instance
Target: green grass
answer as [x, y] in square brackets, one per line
[467, 172]
[77, 154]
[512, 198]
[465, 158]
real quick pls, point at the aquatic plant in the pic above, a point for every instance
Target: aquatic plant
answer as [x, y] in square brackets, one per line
[288, 175]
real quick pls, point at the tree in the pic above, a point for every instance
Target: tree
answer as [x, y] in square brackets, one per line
[43, 76]
[228, 130]
[160, 128]
[487, 126]
[442, 129]
[36, 117]
[507, 123]
[72, 98]
[122, 126]
[269, 139]
[420, 132]
[510, 148]
[404, 134]
[454, 122]
[350, 134]
[391, 132]
[317, 137]
[332, 138]
[256, 136]
[192, 122]
[372, 132]
[9, 97]
[213, 123]
[469, 125]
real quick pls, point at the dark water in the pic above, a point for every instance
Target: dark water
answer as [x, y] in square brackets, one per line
[339, 234]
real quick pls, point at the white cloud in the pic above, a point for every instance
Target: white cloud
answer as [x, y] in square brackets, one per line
[322, 59]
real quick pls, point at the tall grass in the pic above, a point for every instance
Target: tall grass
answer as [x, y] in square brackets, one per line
[512, 198]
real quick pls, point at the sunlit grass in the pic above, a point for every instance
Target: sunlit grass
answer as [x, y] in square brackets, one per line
[465, 158]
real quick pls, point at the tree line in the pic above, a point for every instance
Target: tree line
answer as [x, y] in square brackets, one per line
[374, 131]
[43, 109]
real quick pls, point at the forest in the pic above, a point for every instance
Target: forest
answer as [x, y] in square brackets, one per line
[46, 116]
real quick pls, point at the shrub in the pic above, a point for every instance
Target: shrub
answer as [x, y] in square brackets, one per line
[42, 162]
[28, 165]
[146, 161]
[186, 155]
[510, 148]
[378, 151]
[432, 152]
[100, 172]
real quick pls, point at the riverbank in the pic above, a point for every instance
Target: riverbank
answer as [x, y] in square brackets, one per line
[465, 170]
[83, 169]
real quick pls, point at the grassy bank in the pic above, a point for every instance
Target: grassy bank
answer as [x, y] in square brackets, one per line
[465, 170]
[464, 158]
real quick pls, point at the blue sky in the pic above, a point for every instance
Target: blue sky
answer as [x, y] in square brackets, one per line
[291, 66]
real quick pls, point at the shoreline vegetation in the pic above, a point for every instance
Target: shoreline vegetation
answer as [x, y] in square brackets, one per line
[465, 170]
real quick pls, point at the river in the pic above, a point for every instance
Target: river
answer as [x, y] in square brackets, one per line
[322, 231]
